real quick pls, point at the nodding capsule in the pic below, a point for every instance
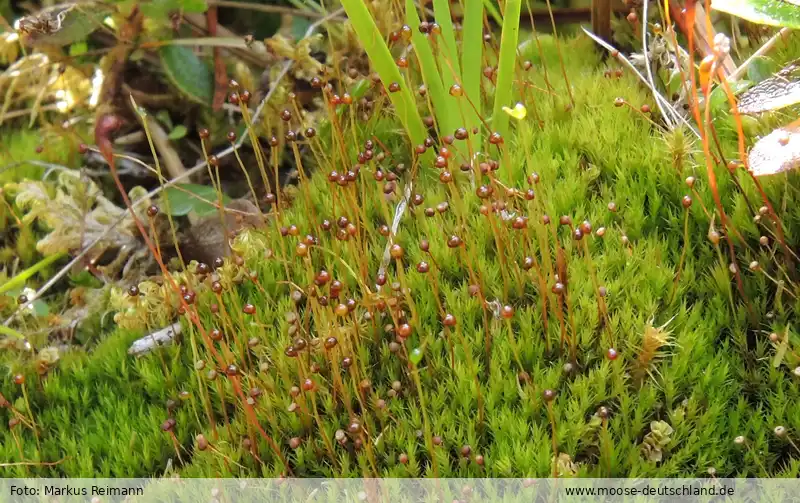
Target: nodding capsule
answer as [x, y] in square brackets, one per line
[107, 124]
[105, 127]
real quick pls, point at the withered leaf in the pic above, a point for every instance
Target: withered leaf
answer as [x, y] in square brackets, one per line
[777, 152]
[64, 24]
[779, 91]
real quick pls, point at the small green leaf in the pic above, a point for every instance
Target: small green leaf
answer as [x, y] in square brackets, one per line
[718, 98]
[177, 133]
[186, 198]
[299, 27]
[769, 12]
[85, 278]
[194, 6]
[161, 9]
[78, 48]
[415, 356]
[359, 89]
[164, 118]
[760, 68]
[40, 308]
[188, 72]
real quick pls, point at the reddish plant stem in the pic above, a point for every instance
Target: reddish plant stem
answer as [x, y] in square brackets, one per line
[220, 75]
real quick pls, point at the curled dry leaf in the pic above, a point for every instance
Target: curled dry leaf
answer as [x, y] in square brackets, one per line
[565, 466]
[777, 152]
[779, 91]
[305, 66]
[208, 237]
[76, 213]
[155, 306]
[63, 24]
[654, 443]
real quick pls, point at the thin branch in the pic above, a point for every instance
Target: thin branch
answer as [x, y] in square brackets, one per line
[650, 80]
[737, 74]
[273, 9]
[33, 463]
[399, 211]
[172, 160]
[26, 112]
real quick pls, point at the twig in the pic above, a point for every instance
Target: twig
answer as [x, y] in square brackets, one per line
[274, 9]
[154, 340]
[220, 74]
[650, 80]
[34, 463]
[399, 211]
[172, 161]
[22, 113]
[768, 45]
[50, 167]
[256, 53]
[195, 169]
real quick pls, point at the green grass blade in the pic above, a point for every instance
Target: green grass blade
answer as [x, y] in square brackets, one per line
[384, 64]
[445, 106]
[450, 68]
[20, 279]
[11, 332]
[472, 62]
[492, 10]
[505, 70]
[448, 58]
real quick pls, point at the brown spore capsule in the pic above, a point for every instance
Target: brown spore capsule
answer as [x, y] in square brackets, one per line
[453, 242]
[396, 251]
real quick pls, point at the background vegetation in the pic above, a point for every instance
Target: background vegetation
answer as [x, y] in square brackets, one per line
[396, 256]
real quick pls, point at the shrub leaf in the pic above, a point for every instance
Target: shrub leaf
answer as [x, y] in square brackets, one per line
[188, 197]
[188, 73]
[769, 12]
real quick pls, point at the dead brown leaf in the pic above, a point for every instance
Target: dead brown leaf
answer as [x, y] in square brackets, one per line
[777, 152]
